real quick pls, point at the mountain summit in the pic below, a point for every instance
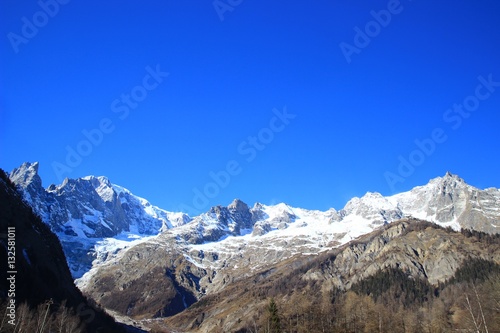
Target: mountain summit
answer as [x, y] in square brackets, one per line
[450, 201]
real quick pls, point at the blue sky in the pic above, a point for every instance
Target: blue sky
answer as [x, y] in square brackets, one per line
[193, 103]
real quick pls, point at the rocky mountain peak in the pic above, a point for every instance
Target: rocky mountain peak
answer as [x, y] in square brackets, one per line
[29, 183]
[372, 207]
[98, 181]
[26, 174]
[448, 174]
[241, 214]
[236, 216]
[450, 201]
[257, 205]
[448, 179]
[238, 206]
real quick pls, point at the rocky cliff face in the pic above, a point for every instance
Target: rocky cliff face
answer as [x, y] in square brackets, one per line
[421, 249]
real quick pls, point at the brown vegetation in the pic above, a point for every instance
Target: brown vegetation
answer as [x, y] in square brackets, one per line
[46, 317]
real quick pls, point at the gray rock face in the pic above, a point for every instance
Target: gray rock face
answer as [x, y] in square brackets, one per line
[428, 253]
[219, 222]
[240, 212]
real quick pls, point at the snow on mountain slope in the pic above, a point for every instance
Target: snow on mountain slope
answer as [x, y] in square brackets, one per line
[282, 231]
[288, 231]
[279, 232]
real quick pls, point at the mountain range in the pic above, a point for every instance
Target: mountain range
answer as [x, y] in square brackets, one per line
[140, 261]
[90, 213]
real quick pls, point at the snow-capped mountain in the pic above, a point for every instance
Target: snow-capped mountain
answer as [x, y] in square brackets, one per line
[84, 211]
[213, 252]
[449, 201]
[95, 218]
[281, 231]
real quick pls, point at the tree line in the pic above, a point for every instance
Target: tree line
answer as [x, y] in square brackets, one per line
[391, 301]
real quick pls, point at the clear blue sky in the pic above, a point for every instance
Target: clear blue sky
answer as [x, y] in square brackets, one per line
[87, 65]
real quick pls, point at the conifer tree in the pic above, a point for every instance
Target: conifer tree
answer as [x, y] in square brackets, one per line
[274, 318]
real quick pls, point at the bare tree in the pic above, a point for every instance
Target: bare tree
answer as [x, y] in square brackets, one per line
[43, 312]
[24, 320]
[480, 307]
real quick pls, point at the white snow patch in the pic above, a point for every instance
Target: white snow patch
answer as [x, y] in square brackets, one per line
[194, 262]
[109, 249]
[79, 228]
